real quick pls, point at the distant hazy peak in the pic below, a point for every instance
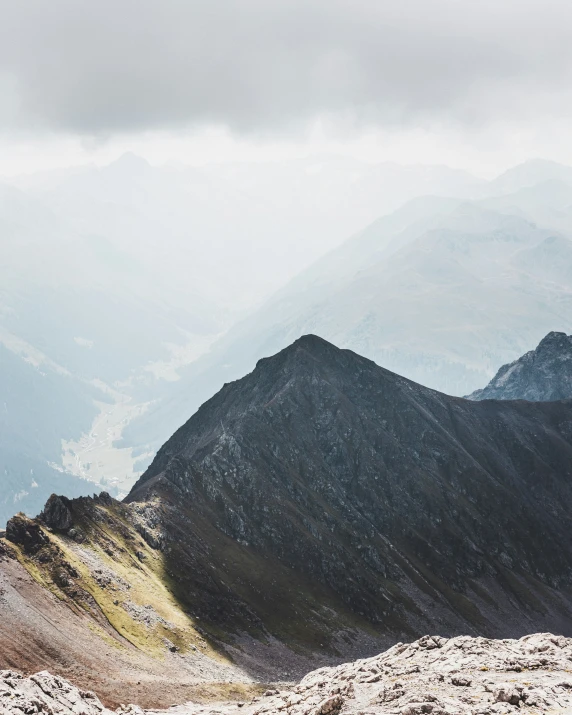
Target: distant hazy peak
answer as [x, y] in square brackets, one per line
[130, 162]
[529, 173]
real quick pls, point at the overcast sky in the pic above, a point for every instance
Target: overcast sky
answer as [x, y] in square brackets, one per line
[475, 84]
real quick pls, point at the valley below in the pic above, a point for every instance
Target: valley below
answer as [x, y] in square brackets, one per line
[96, 457]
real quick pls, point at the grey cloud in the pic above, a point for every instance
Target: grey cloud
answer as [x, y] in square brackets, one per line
[266, 65]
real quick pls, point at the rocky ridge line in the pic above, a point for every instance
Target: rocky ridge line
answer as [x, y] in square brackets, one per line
[540, 375]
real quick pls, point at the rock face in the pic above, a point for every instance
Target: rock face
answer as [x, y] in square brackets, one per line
[540, 375]
[457, 676]
[25, 532]
[56, 513]
[324, 478]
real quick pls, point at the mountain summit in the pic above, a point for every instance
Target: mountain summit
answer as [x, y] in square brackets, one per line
[321, 478]
[540, 375]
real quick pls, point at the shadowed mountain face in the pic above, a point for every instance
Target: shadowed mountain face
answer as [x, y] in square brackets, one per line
[323, 476]
[540, 375]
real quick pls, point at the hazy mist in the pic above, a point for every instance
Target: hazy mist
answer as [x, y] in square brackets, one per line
[190, 186]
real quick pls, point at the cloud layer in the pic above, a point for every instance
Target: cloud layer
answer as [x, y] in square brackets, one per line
[99, 68]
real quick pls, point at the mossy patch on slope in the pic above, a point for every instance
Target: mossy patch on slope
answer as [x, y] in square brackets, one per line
[102, 567]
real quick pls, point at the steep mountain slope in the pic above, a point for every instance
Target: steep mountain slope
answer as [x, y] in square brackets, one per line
[411, 509]
[540, 375]
[83, 595]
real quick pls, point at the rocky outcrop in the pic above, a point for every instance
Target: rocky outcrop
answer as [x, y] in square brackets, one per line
[25, 532]
[56, 513]
[47, 694]
[457, 676]
[540, 375]
[325, 479]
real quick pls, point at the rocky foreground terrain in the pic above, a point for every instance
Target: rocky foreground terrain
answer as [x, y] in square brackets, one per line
[433, 675]
[540, 375]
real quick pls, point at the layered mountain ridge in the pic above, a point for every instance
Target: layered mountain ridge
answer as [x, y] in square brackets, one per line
[463, 277]
[443, 291]
[319, 508]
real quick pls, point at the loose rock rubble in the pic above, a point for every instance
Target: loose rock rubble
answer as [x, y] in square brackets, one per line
[432, 676]
[145, 614]
[456, 675]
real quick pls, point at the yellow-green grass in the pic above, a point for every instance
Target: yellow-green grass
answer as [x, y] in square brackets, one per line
[149, 584]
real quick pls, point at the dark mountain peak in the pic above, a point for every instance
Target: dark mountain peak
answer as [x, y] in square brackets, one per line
[540, 375]
[335, 472]
[311, 344]
[309, 375]
[308, 353]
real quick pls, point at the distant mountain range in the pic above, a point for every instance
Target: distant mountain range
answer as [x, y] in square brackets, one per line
[234, 232]
[541, 375]
[443, 291]
[116, 276]
[127, 277]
